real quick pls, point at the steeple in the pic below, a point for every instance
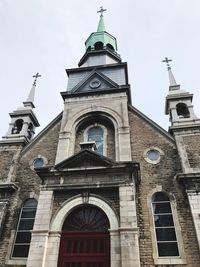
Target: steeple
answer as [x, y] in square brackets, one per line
[101, 43]
[23, 120]
[179, 104]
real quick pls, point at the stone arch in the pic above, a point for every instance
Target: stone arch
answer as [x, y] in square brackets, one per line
[83, 113]
[60, 216]
[111, 115]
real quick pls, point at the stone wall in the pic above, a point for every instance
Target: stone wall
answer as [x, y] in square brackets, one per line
[29, 185]
[162, 175]
[192, 144]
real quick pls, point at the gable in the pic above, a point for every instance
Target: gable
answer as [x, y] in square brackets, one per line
[95, 81]
[85, 159]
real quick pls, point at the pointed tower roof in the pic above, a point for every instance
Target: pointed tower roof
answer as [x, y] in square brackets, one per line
[100, 42]
[101, 25]
[31, 96]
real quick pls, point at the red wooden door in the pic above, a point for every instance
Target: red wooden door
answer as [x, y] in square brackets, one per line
[84, 249]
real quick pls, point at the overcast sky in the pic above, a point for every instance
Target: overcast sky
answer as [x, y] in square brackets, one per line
[48, 36]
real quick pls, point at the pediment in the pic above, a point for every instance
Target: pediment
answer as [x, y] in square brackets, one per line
[95, 80]
[85, 159]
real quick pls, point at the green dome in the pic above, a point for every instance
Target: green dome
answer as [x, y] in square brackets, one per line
[101, 39]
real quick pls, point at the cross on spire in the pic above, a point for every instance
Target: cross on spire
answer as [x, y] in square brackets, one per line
[166, 60]
[101, 10]
[37, 75]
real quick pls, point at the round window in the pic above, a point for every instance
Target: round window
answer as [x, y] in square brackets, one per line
[153, 155]
[95, 83]
[39, 162]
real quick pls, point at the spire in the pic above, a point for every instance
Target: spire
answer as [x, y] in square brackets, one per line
[101, 25]
[31, 96]
[172, 81]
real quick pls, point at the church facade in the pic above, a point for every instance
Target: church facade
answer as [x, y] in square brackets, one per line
[102, 185]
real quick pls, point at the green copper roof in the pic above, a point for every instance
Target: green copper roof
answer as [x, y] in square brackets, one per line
[101, 36]
[101, 26]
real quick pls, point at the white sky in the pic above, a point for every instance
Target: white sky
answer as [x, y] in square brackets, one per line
[48, 36]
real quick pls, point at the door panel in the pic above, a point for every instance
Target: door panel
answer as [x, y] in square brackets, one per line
[84, 249]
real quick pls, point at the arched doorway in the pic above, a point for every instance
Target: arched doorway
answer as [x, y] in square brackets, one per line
[85, 239]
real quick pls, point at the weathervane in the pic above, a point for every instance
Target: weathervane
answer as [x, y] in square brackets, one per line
[101, 10]
[37, 75]
[166, 60]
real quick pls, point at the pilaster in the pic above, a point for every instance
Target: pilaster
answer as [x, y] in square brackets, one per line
[40, 233]
[129, 233]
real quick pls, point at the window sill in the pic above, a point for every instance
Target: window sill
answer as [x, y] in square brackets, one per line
[169, 261]
[16, 261]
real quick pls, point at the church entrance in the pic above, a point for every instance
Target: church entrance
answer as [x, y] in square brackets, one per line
[85, 239]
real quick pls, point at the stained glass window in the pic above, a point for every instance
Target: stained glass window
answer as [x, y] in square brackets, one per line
[164, 225]
[25, 225]
[86, 218]
[96, 134]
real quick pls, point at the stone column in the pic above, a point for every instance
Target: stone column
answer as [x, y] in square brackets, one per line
[194, 201]
[39, 240]
[115, 251]
[128, 227]
[53, 249]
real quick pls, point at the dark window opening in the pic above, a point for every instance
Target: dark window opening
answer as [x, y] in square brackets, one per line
[17, 126]
[98, 46]
[25, 225]
[164, 225]
[30, 130]
[182, 110]
[110, 46]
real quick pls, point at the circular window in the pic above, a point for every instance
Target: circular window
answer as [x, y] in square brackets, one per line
[152, 155]
[95, 84]
[39, 162]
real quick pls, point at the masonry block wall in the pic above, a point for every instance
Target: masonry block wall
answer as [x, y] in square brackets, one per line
[144, 136]
[29, 184]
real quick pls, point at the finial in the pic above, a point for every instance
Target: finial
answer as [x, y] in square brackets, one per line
[31, 96]
[172, 80]
[101, 11]
[167, 61]
[37, 75]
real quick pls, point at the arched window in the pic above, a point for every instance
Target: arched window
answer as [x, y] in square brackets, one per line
[25, 225]
[96, 134]
[30, 130]
[182, 110]
[98, 46]
[167, 245]
[18, 126]
[109, 46]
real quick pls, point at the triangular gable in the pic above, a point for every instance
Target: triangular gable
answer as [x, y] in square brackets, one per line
[85, 159]
[95, 81]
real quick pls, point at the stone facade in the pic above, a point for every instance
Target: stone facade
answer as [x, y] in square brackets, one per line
[139, 159]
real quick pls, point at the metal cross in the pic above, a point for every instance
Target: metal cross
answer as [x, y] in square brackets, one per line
[37, 75]
[101, 10]
[166, 60]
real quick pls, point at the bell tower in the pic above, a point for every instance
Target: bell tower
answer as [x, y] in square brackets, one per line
[23, 121]
[185, 126]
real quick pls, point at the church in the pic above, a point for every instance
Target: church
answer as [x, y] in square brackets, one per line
[102, 185]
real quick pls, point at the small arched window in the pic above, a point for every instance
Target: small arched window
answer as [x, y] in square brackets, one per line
[30, 130]
[182, 110]
[96, 134]
[167, 245]
[17, 126]
[98, 46]
[109, 46]
[25, 225]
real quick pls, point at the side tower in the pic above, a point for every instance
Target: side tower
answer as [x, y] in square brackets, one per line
[20, 133]
[185, 127]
